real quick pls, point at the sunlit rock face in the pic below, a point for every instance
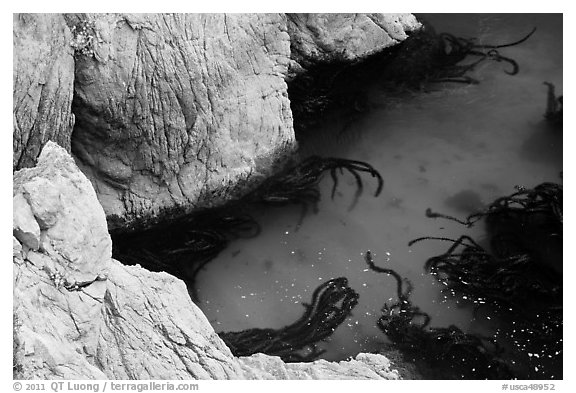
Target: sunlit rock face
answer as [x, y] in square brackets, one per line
[79, 314]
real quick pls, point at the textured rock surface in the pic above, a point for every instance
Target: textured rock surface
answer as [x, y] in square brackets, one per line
[129, 323]
[322, 38]
[176, 108]
[43, 79]
[73, 230]
[176, 111]
[58, 327]
[24, 224]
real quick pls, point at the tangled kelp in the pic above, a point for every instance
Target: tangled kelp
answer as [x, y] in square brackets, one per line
[520, 278]
[430, 57]
[332, 302]
[543, 201]
[525, 295]
[439, 352]
[530, 221]
[184, 245]
[457, 49]
[424, 58]
[527, 221]
[299, 185]
[525, 264]
[467, 268]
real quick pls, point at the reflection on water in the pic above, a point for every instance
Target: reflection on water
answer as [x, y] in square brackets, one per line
[454, 149]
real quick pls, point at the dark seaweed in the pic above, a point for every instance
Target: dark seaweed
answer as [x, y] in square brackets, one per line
[440, 353]
[520, 278]
[339, 87]
[185, 245]
[332, 302]
[299, 185]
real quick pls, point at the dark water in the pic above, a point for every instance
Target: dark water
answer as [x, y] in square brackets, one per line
[454, 149]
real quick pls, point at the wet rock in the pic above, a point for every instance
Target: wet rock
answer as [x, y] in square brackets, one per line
[43, 79]
[121, 321]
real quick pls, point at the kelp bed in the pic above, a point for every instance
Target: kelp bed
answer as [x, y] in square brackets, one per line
[519, 277]
[514, 279]
[426, 58]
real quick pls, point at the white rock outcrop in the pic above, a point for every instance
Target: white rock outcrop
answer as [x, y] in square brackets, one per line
[174, 111]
